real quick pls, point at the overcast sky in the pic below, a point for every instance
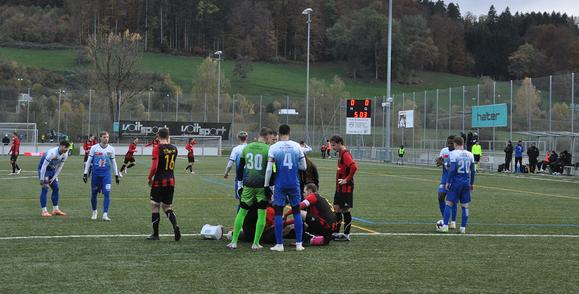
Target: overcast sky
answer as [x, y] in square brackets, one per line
[478, 7]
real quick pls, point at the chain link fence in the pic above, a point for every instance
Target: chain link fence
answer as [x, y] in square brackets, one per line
[540, 110]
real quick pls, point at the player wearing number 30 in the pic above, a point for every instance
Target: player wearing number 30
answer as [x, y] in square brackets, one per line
[288, 158]
[102, 158]
[250, 177]
[460, 183]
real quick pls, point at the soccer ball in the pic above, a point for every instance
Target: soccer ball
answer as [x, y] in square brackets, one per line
[439, 224]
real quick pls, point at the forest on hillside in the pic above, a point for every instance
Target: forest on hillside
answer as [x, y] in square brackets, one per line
[427, 35]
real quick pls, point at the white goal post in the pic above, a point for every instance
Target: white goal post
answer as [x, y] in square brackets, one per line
[27, 132]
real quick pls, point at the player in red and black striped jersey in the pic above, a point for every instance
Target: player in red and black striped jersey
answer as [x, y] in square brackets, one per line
[162, 182]
[343, 198]
[190, 155]
[153, 142]
[88, 143]
[130, 156]
[317, 214]
[14, 152]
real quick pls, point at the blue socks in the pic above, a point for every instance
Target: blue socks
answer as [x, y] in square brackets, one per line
[441, 206]
[298, 226]
[447, 210]
[106, 201]
[278, 226]
[43, 193]
[464, 218]
[93, 200]
[453, 212]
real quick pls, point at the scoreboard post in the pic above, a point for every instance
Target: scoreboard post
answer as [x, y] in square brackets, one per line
[359, 116]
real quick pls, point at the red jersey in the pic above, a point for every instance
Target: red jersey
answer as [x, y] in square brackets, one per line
[154, 142]
[324, 148]
[346, 169]
[132, 149]
[15, 149]
[189, 148]
[161, 172]
[87, 145]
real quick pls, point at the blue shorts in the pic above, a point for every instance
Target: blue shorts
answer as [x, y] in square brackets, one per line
[101, 183]
[442, 188]
[280, 196]
[48, 174]
[458, 193]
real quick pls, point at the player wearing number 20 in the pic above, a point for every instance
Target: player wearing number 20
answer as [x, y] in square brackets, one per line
[460, 183]
[288, 158]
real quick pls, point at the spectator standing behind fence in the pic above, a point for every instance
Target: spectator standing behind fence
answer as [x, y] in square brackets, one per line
[6, 140]
[533, 153]
[401, 153]
[508, 156]
[477, 153]
[323, 149]
[519, 149]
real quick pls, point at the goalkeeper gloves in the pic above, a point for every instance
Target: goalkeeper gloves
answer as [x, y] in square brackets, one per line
[117, 180]
[85, 178]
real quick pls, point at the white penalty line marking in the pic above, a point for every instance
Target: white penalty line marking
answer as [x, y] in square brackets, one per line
[354, 234]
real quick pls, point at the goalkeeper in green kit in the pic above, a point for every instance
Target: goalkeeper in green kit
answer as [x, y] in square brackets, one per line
[251, 191]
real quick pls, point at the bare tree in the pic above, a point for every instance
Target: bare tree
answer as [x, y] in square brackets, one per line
[115, 57]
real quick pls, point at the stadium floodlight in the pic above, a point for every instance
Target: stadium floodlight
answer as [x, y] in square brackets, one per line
[308, 12]
[60, 92]
[218, 53]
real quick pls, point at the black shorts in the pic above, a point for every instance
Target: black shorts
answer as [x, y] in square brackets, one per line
[162, 194]
[191, 158]
[476, 158]
[13, 157]
[344, 200]
[318, 226]
[129, 158]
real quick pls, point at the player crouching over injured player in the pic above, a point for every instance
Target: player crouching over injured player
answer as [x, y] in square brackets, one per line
[318, 217]
[162, 182]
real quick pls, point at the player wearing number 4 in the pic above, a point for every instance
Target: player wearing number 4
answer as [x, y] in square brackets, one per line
[288, 158]
[250, 178]
[49, 168]
[459, 184]
[162, 182]
[102, 158]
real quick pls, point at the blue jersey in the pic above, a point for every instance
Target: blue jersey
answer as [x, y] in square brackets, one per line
[286, 155]
[102, 159]
[235, 155]
[461, 168]
[519, 149]
[445, 155]
[51, 163]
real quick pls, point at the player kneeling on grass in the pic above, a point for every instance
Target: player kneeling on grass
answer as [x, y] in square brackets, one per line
[318, 216]
[251, 177]
[49, 168]
[162, 182]
[459, 184]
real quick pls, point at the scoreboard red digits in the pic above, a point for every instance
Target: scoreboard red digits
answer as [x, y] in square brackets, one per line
[359, 108]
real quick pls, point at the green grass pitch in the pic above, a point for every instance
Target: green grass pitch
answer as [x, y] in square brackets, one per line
[523, 237]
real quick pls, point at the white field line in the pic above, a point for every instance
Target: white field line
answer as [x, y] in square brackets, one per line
[354, 234]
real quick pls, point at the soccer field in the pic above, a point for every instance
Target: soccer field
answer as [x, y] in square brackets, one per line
[523, 237]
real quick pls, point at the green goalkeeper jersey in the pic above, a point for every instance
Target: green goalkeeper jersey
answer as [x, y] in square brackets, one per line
[255, 158]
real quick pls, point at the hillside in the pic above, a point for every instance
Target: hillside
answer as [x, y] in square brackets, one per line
[265, 79]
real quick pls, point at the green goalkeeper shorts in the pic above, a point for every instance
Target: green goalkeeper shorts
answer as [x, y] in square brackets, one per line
[252, 195]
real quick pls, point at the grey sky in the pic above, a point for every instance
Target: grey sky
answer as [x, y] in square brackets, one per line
[478, 7]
